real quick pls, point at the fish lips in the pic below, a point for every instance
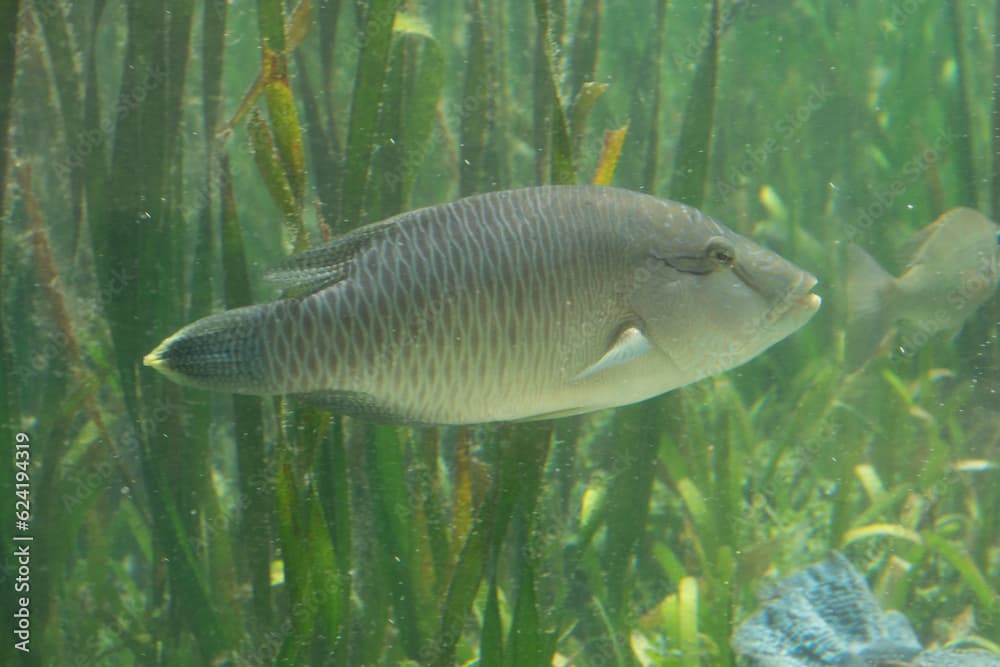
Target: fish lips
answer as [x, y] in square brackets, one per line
[799, 305]
[789, 310]
[787, 314]
[806, 299]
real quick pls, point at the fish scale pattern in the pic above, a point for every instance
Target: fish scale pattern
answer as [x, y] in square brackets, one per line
[524, 304]
[484, 294]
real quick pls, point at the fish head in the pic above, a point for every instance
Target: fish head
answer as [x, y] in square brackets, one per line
[711, 299]
[981, 277]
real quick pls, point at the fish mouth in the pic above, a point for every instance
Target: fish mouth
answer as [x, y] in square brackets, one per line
[770, 281]
[799, 304]
[811, 302]
[805, 299]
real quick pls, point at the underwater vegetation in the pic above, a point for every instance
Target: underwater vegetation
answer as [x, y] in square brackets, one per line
[159, 157]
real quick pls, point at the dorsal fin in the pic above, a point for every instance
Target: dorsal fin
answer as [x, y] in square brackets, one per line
[309, 271]
[936, 243]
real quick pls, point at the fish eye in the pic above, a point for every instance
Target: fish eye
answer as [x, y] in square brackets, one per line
[720, 252]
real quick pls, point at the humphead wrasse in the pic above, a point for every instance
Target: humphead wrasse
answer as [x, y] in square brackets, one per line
[524, 304]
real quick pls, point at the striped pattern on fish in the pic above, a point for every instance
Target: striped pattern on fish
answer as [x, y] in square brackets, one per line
[494, 307]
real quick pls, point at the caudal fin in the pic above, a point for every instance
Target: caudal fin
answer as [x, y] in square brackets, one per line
[221, 352]
[869, 306]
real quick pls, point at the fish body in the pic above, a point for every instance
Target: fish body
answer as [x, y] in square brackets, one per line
[953, 271]
[522, 304]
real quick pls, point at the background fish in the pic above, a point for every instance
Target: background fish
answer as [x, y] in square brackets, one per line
[511, 305]
[954, 270]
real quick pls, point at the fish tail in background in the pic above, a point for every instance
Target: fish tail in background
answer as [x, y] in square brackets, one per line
[869, 307]
[221, 352]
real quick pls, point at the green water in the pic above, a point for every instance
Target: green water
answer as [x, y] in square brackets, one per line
[176, 527]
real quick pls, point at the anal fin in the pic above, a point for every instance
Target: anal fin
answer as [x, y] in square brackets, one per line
[356, 404]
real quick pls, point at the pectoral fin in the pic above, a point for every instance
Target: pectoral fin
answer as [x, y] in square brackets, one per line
[630, 345]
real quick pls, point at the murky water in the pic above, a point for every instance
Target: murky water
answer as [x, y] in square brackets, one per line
[159, 158]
